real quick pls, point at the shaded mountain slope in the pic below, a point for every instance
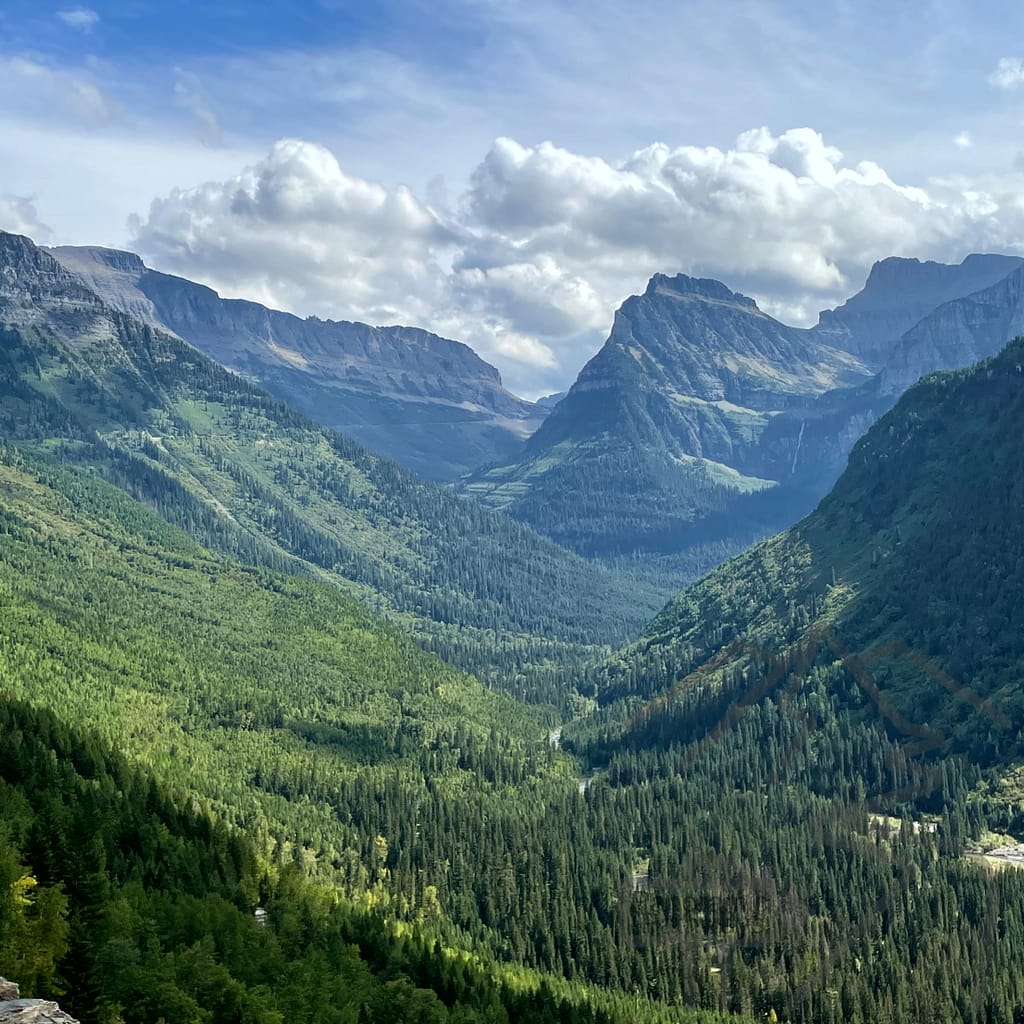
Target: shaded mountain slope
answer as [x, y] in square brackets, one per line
[704, 425]
[813, 444]
[958, 334]
[428, 403]
[252, 477]
[902, 592]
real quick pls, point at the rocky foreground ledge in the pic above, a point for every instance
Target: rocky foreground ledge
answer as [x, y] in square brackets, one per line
[15, 1010]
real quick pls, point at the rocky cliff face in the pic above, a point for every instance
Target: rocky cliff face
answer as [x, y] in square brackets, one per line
[697, 370]
[703, 422]
[957, 334]
[696, 337]
[31, 283]
[815, 442]
[900, 292]
[430, 403]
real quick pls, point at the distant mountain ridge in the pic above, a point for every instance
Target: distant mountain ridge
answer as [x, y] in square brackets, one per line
[430, 403]
[952, 336]
[958, 333]
[703, 423]
[897, 294]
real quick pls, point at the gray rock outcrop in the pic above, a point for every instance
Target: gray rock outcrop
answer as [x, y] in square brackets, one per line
[15, 1010]
[957, 334]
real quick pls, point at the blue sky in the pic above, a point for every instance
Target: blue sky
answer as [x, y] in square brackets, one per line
[113, 114]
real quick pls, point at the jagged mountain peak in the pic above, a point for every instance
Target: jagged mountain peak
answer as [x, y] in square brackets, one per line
[659, 436]
[891, 272]
[696, 337]
[31, 279]
[684, 286]
[23, 259]
[10, 242]
[728, 421]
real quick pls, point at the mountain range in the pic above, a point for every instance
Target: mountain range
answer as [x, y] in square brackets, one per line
[233, 786]
[900, 292]
[252, 477]
[701, 425]
[661, 431]
[430, 404]
[704, 423]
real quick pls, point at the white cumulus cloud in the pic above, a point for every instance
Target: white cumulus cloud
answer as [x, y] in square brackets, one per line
[296, 231]
[529, 262]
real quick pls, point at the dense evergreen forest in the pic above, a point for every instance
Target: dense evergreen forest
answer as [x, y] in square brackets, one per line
[131, 904]
[674, 520]
[681, 872]
[862, 665]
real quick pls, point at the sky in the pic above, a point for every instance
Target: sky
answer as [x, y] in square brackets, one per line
[506, 173]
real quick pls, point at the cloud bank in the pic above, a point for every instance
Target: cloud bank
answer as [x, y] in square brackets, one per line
[528, 263]
[44, 90]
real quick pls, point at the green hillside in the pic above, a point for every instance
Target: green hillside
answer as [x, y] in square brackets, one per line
[331, 740]
[276, 697]
[248, 476]
[742, 876]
